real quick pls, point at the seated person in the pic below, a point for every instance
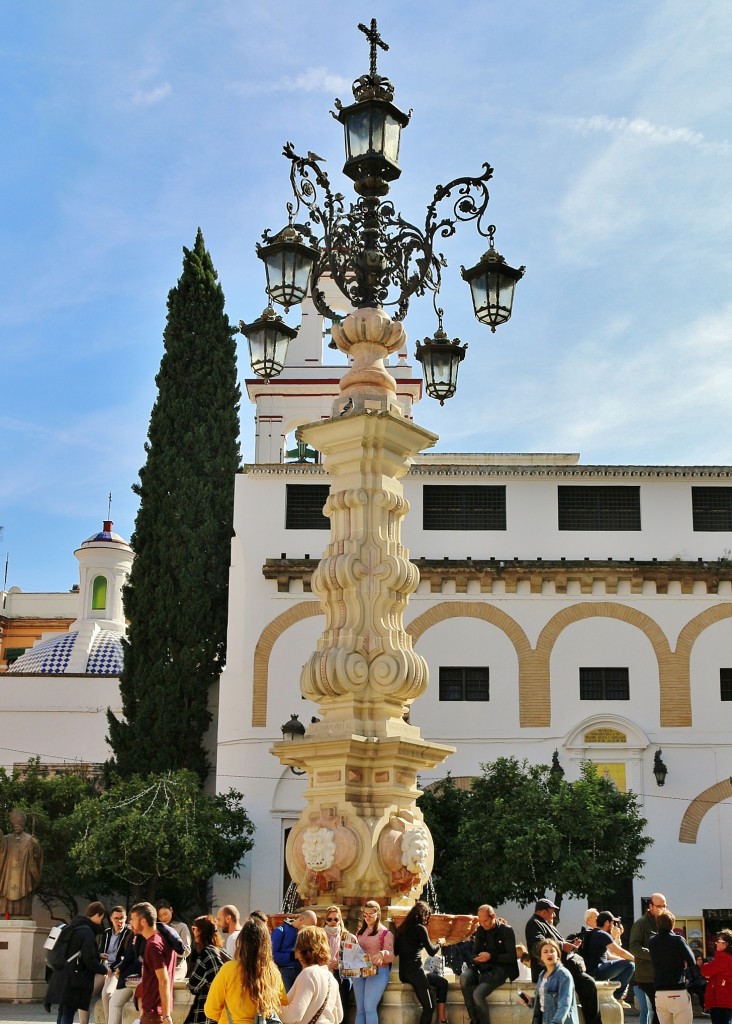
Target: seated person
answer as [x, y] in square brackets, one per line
[605, 960]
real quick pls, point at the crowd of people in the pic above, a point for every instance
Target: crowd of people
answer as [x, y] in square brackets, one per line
[304, 972]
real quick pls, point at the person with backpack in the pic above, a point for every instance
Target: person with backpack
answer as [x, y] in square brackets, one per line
[75, 962]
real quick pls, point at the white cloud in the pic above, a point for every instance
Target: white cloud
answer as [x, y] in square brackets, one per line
[642, 129]
[149, 97]
[310, 80]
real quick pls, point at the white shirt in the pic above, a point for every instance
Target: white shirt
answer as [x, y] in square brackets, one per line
[230, 945]
[313, 986]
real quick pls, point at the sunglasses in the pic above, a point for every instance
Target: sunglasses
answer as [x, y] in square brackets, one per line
[331, 919]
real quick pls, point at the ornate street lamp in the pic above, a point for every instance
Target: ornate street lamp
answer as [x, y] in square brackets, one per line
[375, 257]
[492, 283]
[440, 359]
[268, 339]
[659, 769]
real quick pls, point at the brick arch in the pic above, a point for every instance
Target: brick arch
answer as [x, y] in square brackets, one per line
[267, 639]
[691, 633]
[531, 710]
[675, 690]
[699, 806]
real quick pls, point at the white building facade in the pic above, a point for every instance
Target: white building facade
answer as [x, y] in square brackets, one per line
[583, 609]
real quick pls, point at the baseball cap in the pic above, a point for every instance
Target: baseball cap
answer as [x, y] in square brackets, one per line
[604, 916]
[545, 905]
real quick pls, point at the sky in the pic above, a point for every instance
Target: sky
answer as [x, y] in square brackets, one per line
[127, 126]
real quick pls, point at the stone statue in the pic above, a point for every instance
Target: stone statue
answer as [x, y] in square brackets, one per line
[21, 863]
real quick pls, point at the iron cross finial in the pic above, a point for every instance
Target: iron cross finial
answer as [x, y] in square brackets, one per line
[372, 34]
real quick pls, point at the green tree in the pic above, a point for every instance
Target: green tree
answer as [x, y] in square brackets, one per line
[443, 806]
[49, 802]
[523, 830]
[177, 595]
[159, 836]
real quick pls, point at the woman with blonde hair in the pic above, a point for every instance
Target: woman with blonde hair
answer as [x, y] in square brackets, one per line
[337, 933]
[376, 940]
[314, 996]
[250, 983]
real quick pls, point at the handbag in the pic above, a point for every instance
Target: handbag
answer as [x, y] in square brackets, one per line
[434, 965]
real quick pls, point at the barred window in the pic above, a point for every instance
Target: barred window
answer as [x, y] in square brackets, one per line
[725, 684]
[305, 507]
[711, 508]
[464, 683]
[463, 507]
[599, 508]
[604, 684]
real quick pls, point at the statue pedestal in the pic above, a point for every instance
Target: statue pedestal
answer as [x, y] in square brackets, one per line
[22, 960]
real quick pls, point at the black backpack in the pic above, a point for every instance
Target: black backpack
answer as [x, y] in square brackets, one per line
[58, 956]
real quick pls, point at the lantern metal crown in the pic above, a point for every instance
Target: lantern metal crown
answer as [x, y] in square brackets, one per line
[374, 256]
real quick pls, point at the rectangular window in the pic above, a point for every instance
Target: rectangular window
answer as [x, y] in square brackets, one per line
[725, 684]
[463, 508]
[464, 684]
[711, 508]
[13, 653]
[599, 508]
[305, 507]
[604, 684]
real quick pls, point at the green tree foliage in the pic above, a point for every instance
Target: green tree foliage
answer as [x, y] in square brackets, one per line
[176, 597]
[49, 801]
[443, 806]
[159, 836]
[522, 831]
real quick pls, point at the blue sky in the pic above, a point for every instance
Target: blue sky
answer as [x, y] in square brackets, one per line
[126, 126]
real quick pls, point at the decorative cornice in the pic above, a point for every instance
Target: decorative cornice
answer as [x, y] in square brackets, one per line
[448, 469]
[536, 572]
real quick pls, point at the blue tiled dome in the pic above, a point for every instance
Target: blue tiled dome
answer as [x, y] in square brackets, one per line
[51, 656]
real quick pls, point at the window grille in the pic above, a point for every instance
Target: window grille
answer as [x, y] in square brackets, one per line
[599, 508]
[725, 684]
[464, 684]
[711, 508]
[463, 507]
[604, 684]
[305, 507]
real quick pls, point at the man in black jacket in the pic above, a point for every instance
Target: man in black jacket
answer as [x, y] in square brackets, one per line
[493, 962]
[71, 987]
[541, 926]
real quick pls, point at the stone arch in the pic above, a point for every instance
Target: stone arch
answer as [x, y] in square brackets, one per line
[699, 806]
[691, 633]
[675, 691]
[267, 639]
[531, 711]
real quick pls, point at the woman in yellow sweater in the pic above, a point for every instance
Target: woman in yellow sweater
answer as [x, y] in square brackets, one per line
[250, 983]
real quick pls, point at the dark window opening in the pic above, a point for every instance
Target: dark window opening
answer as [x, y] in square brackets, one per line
[725, 684]
[464, 684]
[711, 508]
[305, 507]
[463, 508]
[604, 684]
[599, 508]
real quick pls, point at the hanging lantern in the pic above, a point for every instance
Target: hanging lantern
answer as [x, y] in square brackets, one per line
[492, 283]
[269, 338]
[288, 263]
[372, 126]
[440, 359]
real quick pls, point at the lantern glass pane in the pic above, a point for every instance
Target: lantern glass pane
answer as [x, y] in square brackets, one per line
[440, 371]
[268, 351]
[392, 135]
[358, 134]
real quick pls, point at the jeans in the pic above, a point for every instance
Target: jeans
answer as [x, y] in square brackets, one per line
[288, 975]
[476, 986]
[612, 970]
[721, 1015]
[644, 995]
[368, 993]
[66, 1015]
[423, 984]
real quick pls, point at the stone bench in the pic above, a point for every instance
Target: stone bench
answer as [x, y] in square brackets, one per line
[399, 1004]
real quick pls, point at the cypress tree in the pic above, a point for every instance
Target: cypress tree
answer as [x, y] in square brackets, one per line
[177, 594]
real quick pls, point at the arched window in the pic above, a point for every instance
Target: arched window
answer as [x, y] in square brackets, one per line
[99, 594]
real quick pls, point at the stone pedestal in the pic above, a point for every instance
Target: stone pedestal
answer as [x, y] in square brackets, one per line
[361, 835]
[22, 961]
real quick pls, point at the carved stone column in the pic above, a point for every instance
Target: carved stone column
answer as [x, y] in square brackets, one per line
[361, 835]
